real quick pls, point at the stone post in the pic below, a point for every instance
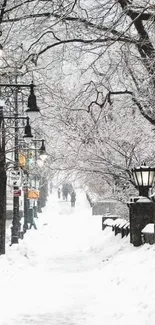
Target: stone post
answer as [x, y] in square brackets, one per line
[141, 213]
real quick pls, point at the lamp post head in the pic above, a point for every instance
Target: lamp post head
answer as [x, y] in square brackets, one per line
[32, 104]
[28, 133]
[143, 177]
[42, 151]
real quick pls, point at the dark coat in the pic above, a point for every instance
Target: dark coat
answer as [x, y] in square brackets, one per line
[73, 197]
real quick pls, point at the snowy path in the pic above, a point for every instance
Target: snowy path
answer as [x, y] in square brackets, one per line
[70, 272]
[56, 288]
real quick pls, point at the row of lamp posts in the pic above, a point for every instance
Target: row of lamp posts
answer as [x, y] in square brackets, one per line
[32, 109]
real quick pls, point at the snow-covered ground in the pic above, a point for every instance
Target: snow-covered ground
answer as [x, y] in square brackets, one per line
[70, 272]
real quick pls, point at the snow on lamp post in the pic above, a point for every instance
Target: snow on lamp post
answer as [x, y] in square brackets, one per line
[143, 177]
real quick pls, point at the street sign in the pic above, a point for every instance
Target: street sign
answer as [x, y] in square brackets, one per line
[17, 193]
[15, 177]
[33, 194]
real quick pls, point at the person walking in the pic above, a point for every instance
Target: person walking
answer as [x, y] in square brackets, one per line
[58, 193]
[65, 194]
[73, 199]
[31, 219]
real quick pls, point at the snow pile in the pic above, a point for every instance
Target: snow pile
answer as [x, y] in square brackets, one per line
[148, 229]
[108, 222]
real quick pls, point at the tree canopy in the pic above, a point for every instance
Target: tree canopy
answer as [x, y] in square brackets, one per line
[93, 64]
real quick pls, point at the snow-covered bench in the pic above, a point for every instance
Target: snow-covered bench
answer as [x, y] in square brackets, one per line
[121, 226]
[107, 223]
[107, 220]
[125, 229]
[118, 226]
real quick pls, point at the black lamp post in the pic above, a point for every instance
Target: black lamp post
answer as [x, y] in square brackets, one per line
[3, 178]
[143, 178]
[42, 157]
[26, 202]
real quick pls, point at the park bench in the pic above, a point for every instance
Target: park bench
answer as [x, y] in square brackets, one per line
[107, 223]
[125, 230]
[107, 220]
[118, 226]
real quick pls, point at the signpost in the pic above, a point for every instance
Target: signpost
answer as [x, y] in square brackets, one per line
[15, 178]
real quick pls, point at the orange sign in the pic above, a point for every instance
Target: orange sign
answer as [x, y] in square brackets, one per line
[33, 194]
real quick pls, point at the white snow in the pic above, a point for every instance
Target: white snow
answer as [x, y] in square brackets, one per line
[148, 228]
[144, 199]
[108, 222]
[70, 272]
[118, 222]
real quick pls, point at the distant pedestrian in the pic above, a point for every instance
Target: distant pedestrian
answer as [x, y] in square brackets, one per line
[59, 193]
[65, 194]
[31, 219]
[73, 199]
[51, 187]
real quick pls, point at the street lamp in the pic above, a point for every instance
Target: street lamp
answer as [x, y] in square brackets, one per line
[141, 211]
[33, 109]
[42, 151]
[28, 133]
[32, 104]
[143, 178]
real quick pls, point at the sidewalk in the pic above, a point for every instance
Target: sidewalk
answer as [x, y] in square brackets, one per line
[70, 272]
[47, 273]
